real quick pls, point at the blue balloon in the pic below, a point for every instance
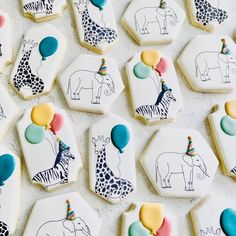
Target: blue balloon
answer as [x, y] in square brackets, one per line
[34, 134]
[99, 3]
[120, 136]
[7, 167]
[228, 221]
[47, 47]
[142, 71]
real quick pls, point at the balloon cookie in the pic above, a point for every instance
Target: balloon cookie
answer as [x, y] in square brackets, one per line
[148, 219]
[43, 10]
[91, 83]
[208, 63]
[71, 215]
[153, 74]
[212, 216]
[152, 22]
[10, 191]
[112, 159]
[95, 24]
[49, 146]
[222, 123]
[38, 61]
[179, 163]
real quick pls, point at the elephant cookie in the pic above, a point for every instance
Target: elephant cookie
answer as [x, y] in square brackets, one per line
[179, 163]
[153, 21]
[38, 61]
[91, 83]
[208, 15]
[62, 215]
[5, 40]
[8, 111]
[214, 217]
[154, 75]
[148, 218]
[49, 146]
[95, 24]
[209, 63]
[112, 159]
[10, 190]
[43, 10]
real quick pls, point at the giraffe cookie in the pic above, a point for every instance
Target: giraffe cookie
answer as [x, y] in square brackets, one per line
[71, 215]
[96, 24]
[91, 83]
[10, 191]
[111, 159]
[153, 21]
[49, 146]
[38, 61]
[154, 75]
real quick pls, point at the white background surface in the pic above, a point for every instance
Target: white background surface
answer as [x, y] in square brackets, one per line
[197, 107]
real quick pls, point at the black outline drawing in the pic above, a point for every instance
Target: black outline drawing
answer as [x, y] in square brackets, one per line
[40, 6]
[2, 115]
[4, 229]
[210, 232]
[107, 184]
[0, 50]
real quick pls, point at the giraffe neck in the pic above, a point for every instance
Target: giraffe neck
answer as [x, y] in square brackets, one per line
[102, 156]
[25, 57]
[85, 14]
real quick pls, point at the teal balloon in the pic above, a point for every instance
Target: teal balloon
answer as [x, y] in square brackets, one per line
[228, 125]
[99, 3]
[47, 47]
[228, 221]
[142, 71]
[7, 167]
[120, 136]
[137, 229]
[34, 134]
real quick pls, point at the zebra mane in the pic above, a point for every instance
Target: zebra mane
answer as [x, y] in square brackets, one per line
[59, 157]
[161, 95]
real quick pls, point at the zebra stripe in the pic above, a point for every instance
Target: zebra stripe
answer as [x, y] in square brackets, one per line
[40, 6]
[233, 170]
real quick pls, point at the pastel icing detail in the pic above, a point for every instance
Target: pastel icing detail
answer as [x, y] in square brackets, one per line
[120, 136]
[230, 108]
[151, 57]
[99, 3]
[103, 68]
[142, 71]
[57, 123]
[137, 229]
[225, 49]
[34, 134]
[7, 167]
[228, 125]
[47, 47]
[2, 21]
[162, 66]
[228, 221]
[165, 229]
[71, 216]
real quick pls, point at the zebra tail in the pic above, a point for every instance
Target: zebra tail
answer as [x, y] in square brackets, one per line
[233, 170]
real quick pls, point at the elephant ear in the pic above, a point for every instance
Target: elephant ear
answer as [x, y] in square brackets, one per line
[99, 78]
[188, 160]
[223, 58]
[69, 225]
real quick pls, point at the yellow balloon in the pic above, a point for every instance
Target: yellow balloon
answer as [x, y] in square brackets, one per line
[230, 108]
[151, 57]
[152, 216]
[43, 114]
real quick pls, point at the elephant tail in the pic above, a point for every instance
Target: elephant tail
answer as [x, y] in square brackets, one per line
[136, 23]
[196, 67]
[156, 171]
[69, 87]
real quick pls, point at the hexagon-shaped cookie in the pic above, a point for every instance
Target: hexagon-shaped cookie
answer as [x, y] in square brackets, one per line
[209, 63]
[153, 22]
[112, 159]
[179, 163]
[91, 83]
[67, 214]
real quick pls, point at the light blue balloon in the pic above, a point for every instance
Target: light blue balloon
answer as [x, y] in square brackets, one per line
[141, 71]
[7, 167]
[34, 134]
[228, 125]
[228, 221]
[47, 47]
[137, 229]
[120, 136]
[99, 3]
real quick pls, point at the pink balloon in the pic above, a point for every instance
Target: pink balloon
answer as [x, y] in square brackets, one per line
[162, 66]
[57, 123]
[2, 21]
[166, 228]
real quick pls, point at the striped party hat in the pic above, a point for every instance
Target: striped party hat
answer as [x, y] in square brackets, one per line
[164, 87]
[225, 50]
[163, 4]
[63, 146]
[190, 150]
[70, 213]
[103, 68]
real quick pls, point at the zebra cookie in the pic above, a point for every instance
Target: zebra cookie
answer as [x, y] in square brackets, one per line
[111, 159]
[153, 86]
[49, 146]
[179, 163]
[43, 10]
[38, 61]
[71, 215]
[96, 26]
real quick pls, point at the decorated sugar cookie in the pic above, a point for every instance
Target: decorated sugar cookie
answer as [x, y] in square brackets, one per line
[71, 215]
[214, 217]
[8, 111]
[153, 74]
[209, 63]
[10, 191]
[91, 83]
[148, 218]
[5, 40]
[49, 146]
[38, 61]
[153, 21]
[179, 163]
[43, 10]
[207, 14]
[111, 158]
[95, 24]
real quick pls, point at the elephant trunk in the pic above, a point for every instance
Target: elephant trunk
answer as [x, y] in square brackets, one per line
[173, 20]
[204, 172]
[111, 89]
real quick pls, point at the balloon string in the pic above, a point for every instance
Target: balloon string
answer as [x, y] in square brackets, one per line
[118, 166]
[50, 145]
[55, 141]
[104, 24]
[37, 71]
[155, 83]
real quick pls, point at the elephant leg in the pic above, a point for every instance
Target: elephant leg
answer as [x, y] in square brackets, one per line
[191, 179]
[187, 180]
[227, 73]
[94, 95]
[99, 95]
[145, 25]
[168, 179]
[206, 75]
[164, 172]
[165, 26]
[76, 93]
